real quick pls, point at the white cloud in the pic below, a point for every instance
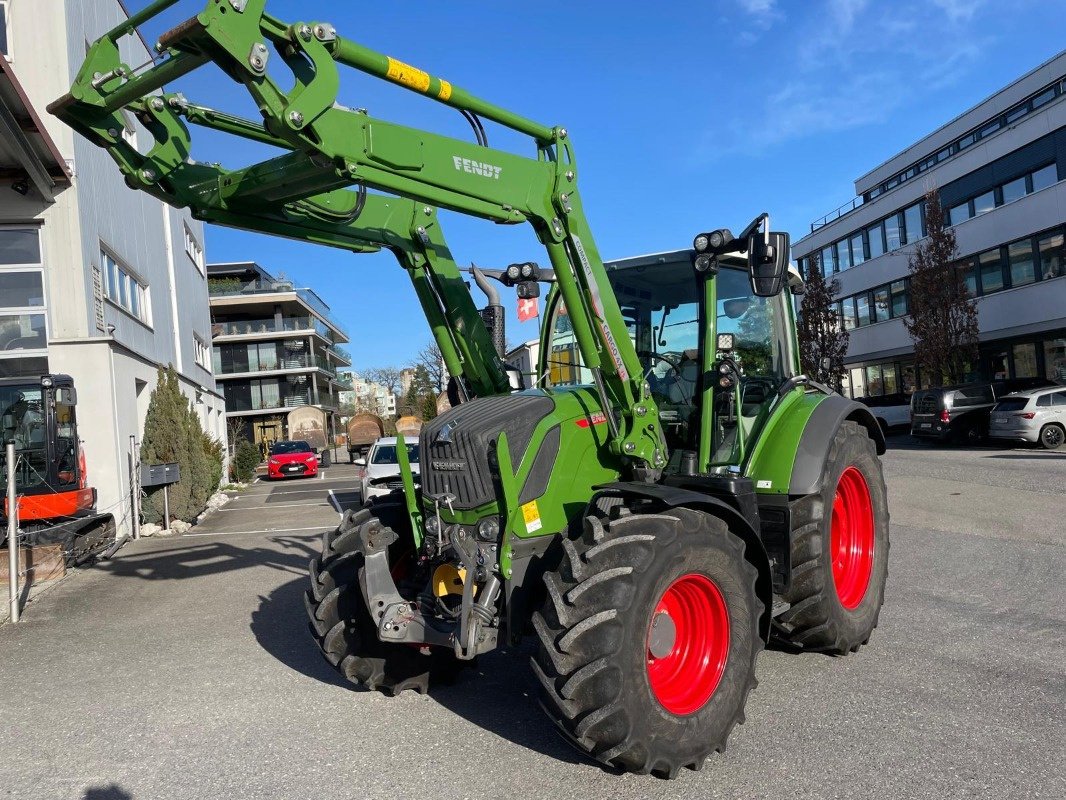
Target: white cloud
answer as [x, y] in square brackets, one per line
[854, 64]
[764, 12]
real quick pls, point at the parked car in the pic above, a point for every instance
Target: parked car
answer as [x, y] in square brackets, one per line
[962, 413]
[890, 410]
[381, 473]
[291, 459]
[1036, 416]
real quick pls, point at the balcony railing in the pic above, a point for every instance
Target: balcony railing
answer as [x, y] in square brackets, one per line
[837, 213]
[248, 327]
[290, 361]
[230, 287]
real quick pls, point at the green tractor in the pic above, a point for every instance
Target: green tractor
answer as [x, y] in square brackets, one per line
[671, 493]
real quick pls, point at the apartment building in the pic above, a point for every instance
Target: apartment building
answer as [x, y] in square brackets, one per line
[1000, 169]
[275, 347]
[96, 281]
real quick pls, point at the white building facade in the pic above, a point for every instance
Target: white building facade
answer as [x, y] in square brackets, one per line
[113, 281]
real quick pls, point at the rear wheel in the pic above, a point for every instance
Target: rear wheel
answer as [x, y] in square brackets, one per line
[341, 623]
[1052, 437]
[648, 640]
[840, 550]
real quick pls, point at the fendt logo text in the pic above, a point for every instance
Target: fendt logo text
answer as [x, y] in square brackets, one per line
[477, 167]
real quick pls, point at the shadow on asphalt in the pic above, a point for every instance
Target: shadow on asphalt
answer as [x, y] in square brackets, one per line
[498, 694]
[210, 558]
[112, 792]
[1033, 455]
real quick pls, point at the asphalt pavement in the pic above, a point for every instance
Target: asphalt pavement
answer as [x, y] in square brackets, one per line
[182, 668]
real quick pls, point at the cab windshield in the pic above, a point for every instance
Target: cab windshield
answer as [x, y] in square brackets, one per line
[661, 305]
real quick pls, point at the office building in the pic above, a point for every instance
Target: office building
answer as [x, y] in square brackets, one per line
[999, 169]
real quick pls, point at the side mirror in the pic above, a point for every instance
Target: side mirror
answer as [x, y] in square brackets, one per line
[67, 396]
[768, 257]
[360, 462]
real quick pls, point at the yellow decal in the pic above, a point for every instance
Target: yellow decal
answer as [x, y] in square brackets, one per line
[445, 91]
[531, 514]
[411, 77]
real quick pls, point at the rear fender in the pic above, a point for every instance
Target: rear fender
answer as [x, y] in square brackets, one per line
[674, 497]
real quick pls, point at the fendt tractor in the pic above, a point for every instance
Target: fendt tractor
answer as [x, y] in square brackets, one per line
[670, 494]
[56, 505]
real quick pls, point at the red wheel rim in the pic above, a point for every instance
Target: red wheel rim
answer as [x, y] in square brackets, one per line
[692, 654]
[852, 538]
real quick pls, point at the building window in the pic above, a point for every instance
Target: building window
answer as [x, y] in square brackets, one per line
[5, 43]
[876, 241]
[879, 311]
[968, 276]
[1055, 360]
[194, 250]
[984, 203]
[898, 290]
[1045, 177]
[847, 312]
[203, 353]
[1015, 190]
[912, 223]
[858, 251]
[20, 289]
[23, 316]
[893, 233]
[959, 213]
[125, 290]
[990, 266]
[828, 260]
[843, 255]
[1025, 360]
[22, 332]
[1020, 259]
[1044, 97]
[862, 309]
[1052, 256]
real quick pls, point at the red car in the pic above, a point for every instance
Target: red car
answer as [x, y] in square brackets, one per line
[291, 460]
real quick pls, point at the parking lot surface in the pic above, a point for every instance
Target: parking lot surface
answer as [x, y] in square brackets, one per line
[183, 669]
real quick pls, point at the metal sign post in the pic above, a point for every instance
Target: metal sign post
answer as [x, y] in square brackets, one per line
[12, 536]
[135, 487]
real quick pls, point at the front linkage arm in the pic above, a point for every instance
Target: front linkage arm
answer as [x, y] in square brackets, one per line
[330, 148]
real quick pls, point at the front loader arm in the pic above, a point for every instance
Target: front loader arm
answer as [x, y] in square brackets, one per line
[328, 148]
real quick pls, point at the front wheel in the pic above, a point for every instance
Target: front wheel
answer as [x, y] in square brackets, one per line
[1052, 437]
[648, 640]
[840, 550]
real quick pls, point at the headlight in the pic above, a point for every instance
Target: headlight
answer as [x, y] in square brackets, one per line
[274, 461]
[514, 272]
[527, 271]
[311, 459]
[433, 525]
[700, 243]
[488, 529]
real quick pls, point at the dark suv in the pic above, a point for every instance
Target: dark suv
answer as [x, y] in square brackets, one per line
[961, 413]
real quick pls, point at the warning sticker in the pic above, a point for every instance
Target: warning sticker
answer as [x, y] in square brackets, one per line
[531, 515]
[445, 90]
[764, 485]
[411, 77]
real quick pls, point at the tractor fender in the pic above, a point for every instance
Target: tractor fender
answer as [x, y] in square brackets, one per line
[817, 436]
[675, 497]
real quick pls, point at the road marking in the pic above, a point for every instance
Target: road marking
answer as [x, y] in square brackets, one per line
[265, 530]
[280, 505]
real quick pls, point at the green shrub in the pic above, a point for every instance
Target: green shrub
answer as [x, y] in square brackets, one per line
[172, 434]
[245, 460]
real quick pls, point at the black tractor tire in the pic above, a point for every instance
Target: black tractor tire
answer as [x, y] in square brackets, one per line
[341, 623]
[594, 646]
[1052, 436]
[820, 618]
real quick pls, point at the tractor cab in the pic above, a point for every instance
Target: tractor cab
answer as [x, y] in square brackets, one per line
[711, 350]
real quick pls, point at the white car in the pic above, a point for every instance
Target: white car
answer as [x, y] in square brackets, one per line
[381, 470]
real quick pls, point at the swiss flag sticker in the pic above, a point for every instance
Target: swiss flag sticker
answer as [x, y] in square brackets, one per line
[527, 309]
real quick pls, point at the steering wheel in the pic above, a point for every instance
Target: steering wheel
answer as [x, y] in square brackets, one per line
[675, 366]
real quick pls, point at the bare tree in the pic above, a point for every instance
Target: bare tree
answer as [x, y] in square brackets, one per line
[823, 339]
[389, 377]
[430, 358]
[943, 314]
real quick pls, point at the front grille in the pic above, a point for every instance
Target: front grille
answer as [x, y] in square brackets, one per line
[456, 461]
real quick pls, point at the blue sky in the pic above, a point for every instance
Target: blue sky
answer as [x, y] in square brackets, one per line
[685, 116]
